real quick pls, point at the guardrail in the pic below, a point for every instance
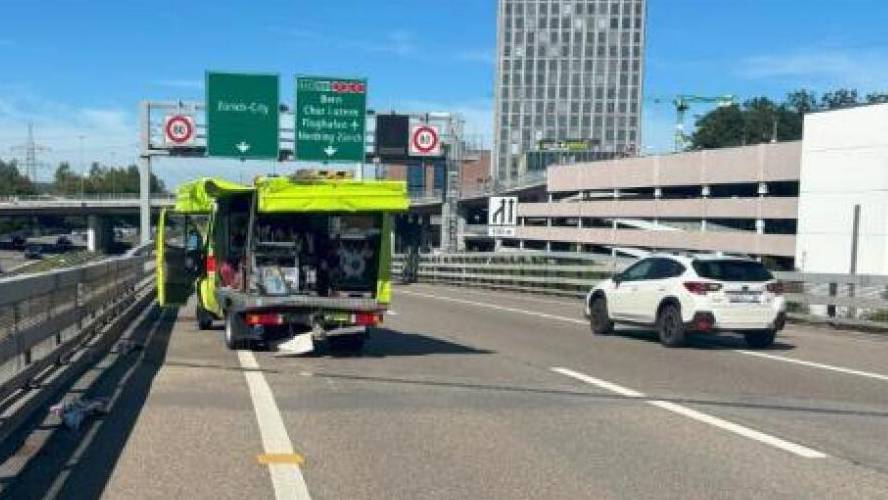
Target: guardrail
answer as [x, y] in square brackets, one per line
[46, 317]
[557, 273]
[426, 197]
[851, 300]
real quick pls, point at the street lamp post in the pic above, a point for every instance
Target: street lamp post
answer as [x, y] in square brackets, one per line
[82, 166]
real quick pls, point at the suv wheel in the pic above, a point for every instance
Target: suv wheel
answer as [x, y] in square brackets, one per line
[760, 340]
[670, 327]
[599, 320]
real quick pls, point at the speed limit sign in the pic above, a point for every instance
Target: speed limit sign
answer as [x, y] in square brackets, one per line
[425, 140]
[178, 130]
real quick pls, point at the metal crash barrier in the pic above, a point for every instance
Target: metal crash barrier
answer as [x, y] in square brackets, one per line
[842, 299]
[46, 318]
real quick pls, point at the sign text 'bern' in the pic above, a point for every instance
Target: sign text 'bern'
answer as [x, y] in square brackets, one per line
[242, 115]
[330, 119]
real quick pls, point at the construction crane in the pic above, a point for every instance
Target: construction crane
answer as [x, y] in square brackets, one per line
[683, 103]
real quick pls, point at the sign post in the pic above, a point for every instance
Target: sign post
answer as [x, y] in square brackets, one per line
[502, 216]
[331, 119]
[243, 116]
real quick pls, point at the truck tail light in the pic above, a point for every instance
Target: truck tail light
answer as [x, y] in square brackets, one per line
[701, 287]
[367, 319]
[211, 264]
[265, 319]
[776, 288]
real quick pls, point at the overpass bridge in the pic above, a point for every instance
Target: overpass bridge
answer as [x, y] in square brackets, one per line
[425, 208]
[97, 209]
[485, 382]
[77, 205]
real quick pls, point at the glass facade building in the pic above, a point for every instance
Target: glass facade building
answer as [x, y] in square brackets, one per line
[567, 69]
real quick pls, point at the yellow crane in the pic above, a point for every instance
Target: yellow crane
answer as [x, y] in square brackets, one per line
[682, 104]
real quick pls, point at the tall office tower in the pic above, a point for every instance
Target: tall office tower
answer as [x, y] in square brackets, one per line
[567, 70]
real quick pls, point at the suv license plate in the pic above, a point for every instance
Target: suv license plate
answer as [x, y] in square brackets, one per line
[744, 298]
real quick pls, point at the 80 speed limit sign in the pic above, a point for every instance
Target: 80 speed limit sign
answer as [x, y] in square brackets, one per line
[178, 130]
[425, 140]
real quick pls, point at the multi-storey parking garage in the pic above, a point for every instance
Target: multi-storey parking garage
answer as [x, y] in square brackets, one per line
[740, 200]
[817, 204]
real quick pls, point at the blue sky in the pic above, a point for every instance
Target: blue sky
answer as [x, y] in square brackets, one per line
[80, 67]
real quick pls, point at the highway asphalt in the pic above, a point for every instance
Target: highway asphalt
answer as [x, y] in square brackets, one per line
[469, 393]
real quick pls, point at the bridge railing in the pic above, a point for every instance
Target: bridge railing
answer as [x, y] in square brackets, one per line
[850, 300]
[46, 317]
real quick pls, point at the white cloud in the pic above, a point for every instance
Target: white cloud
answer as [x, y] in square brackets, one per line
[658, 129]
[820, 67]
[485, 56]
[108, 134]
[180, 84]
[478, 115]
[399, 43]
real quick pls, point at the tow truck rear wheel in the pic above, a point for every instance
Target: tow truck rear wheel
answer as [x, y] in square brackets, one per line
[234, 327]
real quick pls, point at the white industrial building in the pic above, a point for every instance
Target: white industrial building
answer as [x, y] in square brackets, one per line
[844, 163]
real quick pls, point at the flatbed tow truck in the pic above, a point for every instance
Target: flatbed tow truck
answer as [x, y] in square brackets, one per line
[286, 261]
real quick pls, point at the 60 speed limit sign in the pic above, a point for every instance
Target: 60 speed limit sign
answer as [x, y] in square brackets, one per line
[178, 130]
[425, 140]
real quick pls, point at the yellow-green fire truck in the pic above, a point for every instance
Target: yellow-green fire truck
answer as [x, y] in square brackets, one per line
[288, 260]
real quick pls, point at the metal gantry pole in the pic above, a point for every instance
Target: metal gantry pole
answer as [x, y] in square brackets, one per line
[144, 173]
[450, 207]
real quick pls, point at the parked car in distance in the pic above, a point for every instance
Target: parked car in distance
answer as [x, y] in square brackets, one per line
[33, 252]
[679, 295]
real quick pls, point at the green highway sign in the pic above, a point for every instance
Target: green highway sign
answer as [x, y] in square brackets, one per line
[330, 119]
[242, 116]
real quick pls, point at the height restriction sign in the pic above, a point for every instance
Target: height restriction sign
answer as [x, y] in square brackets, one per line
[425, 140]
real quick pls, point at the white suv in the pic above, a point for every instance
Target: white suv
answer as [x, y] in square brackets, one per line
[678, 295]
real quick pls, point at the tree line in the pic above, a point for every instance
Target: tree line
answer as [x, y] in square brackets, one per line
[66, 181]
[760, 119]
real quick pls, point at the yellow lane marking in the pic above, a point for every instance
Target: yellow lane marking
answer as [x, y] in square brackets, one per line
[280, 458]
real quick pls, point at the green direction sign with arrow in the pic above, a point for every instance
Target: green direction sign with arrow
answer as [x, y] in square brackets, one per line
[242, 115]
[330, 119]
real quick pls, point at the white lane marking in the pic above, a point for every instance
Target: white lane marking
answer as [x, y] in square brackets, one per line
[802, 451]
[567, 302]
[286, 478]
[391, 312]
[723, 424]
[494, 306]
[839, 369]
[604, 384]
